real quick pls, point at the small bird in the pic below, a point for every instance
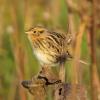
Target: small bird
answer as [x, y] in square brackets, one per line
[50, 48]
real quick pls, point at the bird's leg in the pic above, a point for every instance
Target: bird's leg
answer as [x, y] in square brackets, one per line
[62, 72]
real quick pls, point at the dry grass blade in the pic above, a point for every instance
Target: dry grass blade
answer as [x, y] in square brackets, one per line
[18, 52]
[77, 53]
[95, 82]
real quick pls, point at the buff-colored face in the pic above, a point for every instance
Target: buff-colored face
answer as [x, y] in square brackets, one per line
[36, 32]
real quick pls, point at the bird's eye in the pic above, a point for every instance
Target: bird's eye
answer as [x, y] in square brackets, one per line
[34, 31]
[42, 31]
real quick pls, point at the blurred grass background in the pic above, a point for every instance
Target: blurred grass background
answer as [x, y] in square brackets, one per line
[17, 61]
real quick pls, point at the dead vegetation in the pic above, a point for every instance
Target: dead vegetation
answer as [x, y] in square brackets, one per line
[84, 20]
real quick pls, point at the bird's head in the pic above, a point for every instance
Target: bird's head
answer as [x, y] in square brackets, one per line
[36, 33]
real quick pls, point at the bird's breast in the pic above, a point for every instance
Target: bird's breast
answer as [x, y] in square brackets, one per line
[43, 57]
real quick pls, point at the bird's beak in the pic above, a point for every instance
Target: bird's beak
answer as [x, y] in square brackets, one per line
[27, 32]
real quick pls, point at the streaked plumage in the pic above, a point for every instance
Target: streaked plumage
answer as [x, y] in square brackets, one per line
[50, 48]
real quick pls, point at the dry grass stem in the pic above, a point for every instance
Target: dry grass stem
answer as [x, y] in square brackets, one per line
[18, 53]
[77, 53]
[95, 82]
[62, 73]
